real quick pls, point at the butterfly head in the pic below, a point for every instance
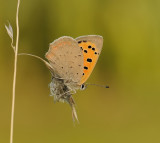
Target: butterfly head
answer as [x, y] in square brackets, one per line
[83, 87]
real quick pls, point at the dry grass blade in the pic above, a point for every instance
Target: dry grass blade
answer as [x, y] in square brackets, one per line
[74, 114]
[9, 30]
[46, 63]
[10, 33]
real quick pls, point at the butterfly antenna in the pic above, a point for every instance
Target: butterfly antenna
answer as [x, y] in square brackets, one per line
[105, 86]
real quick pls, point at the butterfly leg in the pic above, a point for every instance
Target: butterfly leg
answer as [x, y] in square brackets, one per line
[61, 96]
[56, 77]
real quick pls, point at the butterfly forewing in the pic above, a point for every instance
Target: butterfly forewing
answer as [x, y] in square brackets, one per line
[91, 46]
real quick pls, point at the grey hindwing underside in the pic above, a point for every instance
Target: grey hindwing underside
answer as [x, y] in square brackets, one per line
[66, 58]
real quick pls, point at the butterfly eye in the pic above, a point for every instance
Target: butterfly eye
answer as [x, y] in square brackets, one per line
[83, 87]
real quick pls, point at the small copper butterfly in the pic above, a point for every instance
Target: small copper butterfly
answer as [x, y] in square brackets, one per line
[71, 63]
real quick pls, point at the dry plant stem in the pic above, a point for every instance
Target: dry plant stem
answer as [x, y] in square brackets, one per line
[26, 54]
[14, 76]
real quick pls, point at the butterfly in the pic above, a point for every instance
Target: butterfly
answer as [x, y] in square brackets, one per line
[71, 61]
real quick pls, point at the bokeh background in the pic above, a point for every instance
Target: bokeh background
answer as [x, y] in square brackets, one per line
[127, 112]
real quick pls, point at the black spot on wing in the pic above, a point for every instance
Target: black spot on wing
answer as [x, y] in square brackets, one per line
[89, 60]
[93, 49]
[89, 46]
[86, 68]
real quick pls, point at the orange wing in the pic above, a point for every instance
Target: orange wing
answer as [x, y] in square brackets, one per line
[90, 54]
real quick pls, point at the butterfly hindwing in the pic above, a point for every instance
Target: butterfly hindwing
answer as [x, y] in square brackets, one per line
[66, 58]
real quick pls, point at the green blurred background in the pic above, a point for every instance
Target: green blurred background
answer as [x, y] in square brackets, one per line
[127, 112]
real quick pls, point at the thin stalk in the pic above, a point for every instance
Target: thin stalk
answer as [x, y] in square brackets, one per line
[47, 64]
[14, 75]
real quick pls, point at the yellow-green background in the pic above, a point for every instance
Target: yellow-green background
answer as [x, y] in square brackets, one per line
[127, 112]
